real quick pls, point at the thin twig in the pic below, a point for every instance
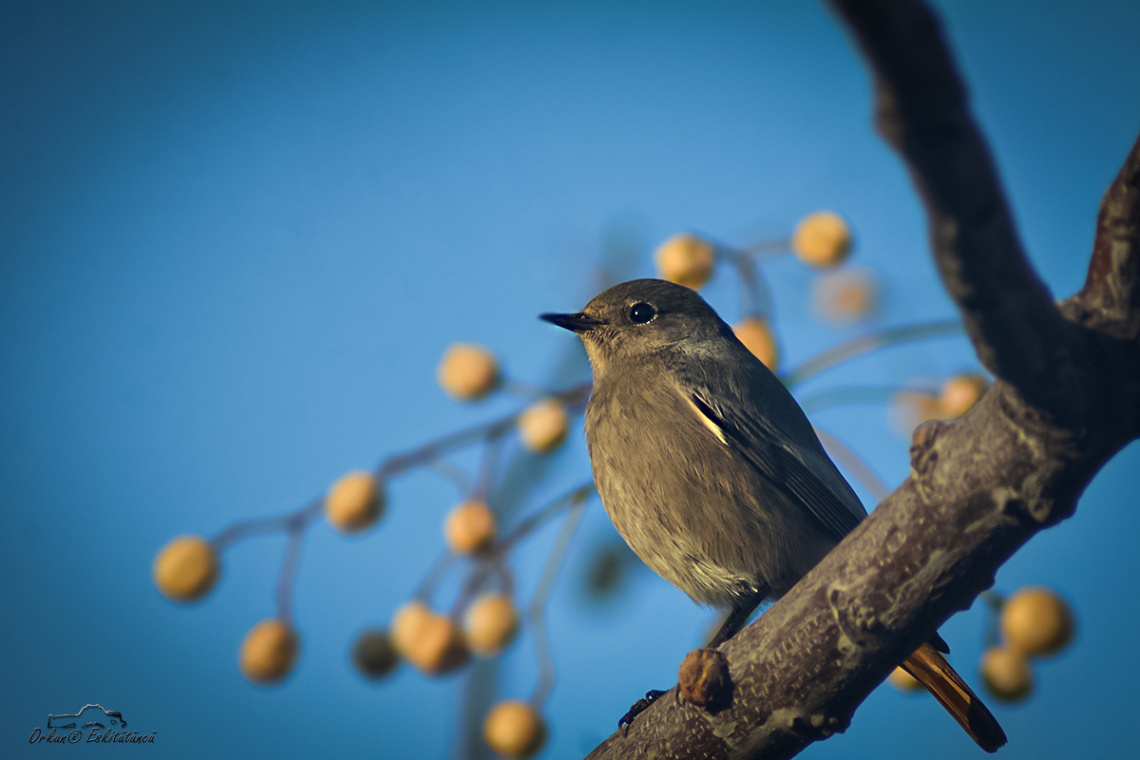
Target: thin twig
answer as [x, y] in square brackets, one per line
[542, 516]
[397, 464]
[434, 576]
[855, 464]
[755, 294]
[538, 604]
[865, 344]
[257, 526]
[456, 475]
[869, 394]
[288, 574]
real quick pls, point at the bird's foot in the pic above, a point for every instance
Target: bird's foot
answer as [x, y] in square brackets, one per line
[637, 708]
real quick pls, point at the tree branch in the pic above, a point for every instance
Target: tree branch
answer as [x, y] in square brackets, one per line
[922, 110]
[1066, 400]
[978, 490]
[1112, 289]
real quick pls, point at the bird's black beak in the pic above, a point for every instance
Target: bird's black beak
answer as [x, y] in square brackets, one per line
[578, 323]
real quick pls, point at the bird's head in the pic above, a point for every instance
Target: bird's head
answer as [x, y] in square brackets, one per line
[635, 320]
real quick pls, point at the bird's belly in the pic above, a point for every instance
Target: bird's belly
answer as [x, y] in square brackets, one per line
[707, 523]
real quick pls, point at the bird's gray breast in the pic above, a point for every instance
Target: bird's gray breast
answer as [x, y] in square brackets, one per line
[685, 500]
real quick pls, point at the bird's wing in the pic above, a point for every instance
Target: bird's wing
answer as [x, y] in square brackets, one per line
[798, 467]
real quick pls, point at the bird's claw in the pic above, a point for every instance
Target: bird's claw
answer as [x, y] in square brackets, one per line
[637, 708]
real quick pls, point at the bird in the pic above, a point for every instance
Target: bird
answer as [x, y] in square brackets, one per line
[711, 471]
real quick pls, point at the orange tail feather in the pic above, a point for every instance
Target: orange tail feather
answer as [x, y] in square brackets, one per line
[931, 668]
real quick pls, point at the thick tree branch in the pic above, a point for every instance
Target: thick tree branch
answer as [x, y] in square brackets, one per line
[1112, 289]
[979, 488]
[1067, 399]
[922, 110]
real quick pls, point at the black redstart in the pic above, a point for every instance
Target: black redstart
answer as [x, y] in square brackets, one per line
[711, 471]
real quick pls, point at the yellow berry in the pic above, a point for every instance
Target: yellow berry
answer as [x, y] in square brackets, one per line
[909, 409]
[470, 527]
[514, 728]
[431, 642]
[491, 624]
[408, 625]
[961, 392]
[844, 296]
[374, 654]
[757, 337]
[440, 648]
[468, 371]
[186, 568]
[268, 651]
[1036, 621]
[544, 426]
[822, 239]
[686, 260]
[904, 681]
[354, 502]
[1007, 674]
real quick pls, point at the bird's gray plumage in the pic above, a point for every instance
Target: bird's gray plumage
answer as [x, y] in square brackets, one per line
[705, 463]
[711, 471]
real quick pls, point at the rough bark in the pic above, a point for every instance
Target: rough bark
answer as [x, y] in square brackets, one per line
[1067, 398]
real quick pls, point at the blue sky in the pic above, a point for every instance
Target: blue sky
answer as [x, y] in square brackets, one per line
[235, 239]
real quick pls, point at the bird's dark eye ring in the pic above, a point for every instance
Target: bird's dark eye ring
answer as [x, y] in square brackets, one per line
[641, 312]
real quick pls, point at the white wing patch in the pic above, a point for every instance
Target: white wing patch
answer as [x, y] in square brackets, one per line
[705, 420]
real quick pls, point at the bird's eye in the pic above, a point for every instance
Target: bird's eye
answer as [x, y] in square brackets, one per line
[640, 313]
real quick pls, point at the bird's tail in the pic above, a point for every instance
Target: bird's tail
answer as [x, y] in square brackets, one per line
[935, 673]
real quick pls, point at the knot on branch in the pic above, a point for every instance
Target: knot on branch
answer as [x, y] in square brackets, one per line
[704, 679]
[924, 455]
[1039, 511]
[857, 617]
[819, 726]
